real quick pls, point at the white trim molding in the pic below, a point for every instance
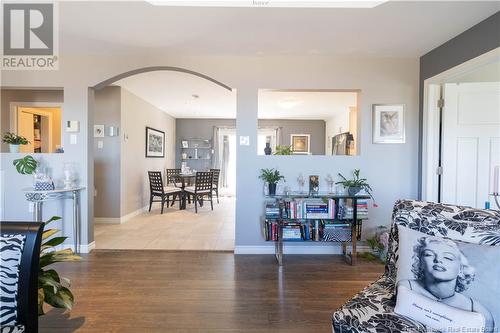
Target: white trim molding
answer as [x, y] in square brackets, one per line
[123, 219]
[84, 248]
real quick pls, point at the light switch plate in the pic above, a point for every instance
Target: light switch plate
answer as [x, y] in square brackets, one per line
[100, 144]
[244, 140]
[72, 139]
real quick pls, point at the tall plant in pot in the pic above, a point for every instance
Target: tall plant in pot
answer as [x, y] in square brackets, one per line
[355, 184]
[14, 141]
[271, 177]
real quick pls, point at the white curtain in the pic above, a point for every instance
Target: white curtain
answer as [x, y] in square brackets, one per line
[224, 140]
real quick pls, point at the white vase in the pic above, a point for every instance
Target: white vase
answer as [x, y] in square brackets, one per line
[14, 148]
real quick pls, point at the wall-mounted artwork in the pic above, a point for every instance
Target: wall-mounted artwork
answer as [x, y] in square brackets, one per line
[155, 143]
[388, 123]
[301, 143]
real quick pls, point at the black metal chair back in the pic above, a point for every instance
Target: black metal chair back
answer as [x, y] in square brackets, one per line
[172, 176]
[156, 183]
[216, 173]
[27, 294]
[203, 182]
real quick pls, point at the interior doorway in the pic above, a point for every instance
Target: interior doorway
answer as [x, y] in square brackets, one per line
[462, 133]
[194, 119]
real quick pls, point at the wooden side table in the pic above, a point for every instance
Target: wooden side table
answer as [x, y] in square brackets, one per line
[39, 197]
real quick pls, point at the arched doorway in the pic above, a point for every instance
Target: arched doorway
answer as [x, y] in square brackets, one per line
[192, 114]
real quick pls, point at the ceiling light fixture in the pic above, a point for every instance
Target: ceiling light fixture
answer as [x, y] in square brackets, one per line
[288, 103]
[270, 3]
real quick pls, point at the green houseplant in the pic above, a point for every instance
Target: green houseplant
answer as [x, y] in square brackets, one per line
[53, 289]
[283, 150]
[14, 141]
[355, 184]
[26, 165]
[271, 177]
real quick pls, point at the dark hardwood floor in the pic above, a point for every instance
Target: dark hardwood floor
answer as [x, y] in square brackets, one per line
[161, 291]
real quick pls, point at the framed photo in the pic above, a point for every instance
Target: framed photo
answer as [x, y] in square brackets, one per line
[301, 143]
[155, 143]
[388, 123]
[185, 144]
[98, 131]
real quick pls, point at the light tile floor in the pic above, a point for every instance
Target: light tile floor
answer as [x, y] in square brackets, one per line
[174, 230]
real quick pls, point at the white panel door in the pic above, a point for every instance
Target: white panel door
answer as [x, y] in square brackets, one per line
[471, 142]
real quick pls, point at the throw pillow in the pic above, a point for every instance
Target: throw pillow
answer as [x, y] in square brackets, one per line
[11, 248]
[460, 280]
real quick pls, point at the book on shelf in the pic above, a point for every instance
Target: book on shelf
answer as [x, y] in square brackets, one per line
[309, 209]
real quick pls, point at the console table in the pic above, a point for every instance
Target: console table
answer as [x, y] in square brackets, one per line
[283, 218]
[39, 197]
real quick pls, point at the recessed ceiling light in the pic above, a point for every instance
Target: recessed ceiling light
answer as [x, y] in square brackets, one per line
[288, 103]
[270, 3]
[195, 96]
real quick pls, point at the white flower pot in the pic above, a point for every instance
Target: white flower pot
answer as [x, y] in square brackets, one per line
[14, 148]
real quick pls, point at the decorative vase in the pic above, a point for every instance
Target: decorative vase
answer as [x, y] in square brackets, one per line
[353, 190]
[272, 189]
[14, 148]
[268, 149]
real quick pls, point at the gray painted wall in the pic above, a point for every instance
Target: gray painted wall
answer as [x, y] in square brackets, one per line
[24, 95]
[203, 128]
[316, 128]
[481, 38]
[136, 115]
[197, 128]
[107, 159]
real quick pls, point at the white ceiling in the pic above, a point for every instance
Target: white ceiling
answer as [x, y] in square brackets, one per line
[393, 29]
[173, 93]
[314, 105]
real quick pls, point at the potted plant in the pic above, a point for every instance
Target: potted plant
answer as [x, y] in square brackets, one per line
[53, 289]
[14, 141]
[356, 184]
[271, 177]
[283, 150]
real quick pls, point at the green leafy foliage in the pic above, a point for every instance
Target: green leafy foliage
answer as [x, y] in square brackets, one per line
[271, 176]
[14, 139]
[356, 181]
[26, 165]
[283, 150]
[53, 289]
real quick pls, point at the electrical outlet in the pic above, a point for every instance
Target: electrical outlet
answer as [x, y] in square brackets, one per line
[100, 144]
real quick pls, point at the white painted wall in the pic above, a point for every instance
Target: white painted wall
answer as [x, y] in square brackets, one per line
[391, 169]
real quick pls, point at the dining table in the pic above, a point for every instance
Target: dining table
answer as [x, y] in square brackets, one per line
[184, 179]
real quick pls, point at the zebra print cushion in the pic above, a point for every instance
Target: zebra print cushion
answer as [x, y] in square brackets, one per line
[13, 329]
[11, 248]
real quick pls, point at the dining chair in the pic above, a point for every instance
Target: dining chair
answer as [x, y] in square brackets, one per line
[202, 187]
[164, 192]
[171, 177]
[215, 182]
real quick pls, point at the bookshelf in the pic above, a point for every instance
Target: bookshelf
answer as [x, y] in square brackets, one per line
[196, 153]
[322, 217]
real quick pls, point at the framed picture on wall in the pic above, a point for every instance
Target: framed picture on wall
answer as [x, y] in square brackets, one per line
[388, 123]
[155, 143]
[301, 143]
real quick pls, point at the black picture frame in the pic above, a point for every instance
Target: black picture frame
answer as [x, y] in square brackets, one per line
[154, 138]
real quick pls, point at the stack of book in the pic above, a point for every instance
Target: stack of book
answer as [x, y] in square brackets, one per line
[272, 210]
[362, 210]
[309, 209]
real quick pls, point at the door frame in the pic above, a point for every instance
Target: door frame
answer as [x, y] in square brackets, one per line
[431, 119]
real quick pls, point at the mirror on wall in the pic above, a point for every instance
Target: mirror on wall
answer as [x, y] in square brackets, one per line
[35, 116]
[308, 122]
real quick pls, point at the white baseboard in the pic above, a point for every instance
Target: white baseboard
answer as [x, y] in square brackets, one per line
[123, 219]
[84, 248]
[294, 249]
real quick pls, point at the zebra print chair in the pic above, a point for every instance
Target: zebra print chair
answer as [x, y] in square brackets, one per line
[19, 264]
[372, 310]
